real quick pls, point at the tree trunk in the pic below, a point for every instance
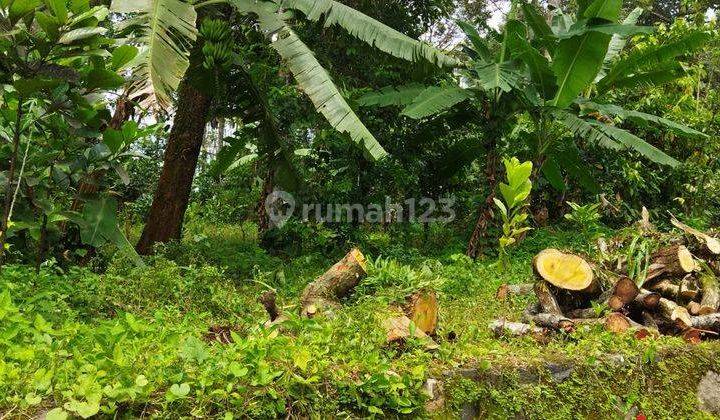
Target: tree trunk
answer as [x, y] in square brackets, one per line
[327, 290]
[164, 223]
[486, 213]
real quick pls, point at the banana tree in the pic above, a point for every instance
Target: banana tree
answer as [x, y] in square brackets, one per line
[167, 30]
[556, 74]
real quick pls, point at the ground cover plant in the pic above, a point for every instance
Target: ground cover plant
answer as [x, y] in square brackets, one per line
[343, 209]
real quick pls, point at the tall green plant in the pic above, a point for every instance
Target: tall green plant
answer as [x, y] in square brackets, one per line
[166, 28]
[515, 195]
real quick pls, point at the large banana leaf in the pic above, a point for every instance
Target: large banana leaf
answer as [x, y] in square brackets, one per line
[612, 137]
[656, 76]
[434, 100]
[536, 22]
[478, 43]
[644, 118]
[370, 31]
[577, 60]
[321, 90]
[167, 29]
[584, 129]
[652, 57]
[634, 142]
[618, 42]
[98, 225]
[539, 67]
[392, 96]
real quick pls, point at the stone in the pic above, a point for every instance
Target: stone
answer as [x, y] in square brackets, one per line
[434, 390]
[559, 372]
[709, 393]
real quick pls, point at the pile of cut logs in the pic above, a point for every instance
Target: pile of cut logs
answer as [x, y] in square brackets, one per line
[679, 293]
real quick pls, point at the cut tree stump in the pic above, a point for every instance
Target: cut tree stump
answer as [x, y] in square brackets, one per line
[564, 271]
[327, 290]
[547, 300]
[399, 329]
[422, 308]
[672, 261]
[710, 294]
[625, 291]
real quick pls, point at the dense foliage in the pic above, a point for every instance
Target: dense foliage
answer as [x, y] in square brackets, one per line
[142, 144]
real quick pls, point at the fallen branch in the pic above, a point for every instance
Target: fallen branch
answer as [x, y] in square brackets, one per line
[507, 290]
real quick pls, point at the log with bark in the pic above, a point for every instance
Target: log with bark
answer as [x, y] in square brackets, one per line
[704, 244]
[666, 289]
[688, 288]
[671, 261]
[336, 283]
[710, 293]
[550, 321]
[505, 328]
[674, 313]
[547, 300]
[507, 290]
[647, 300]
[422, 308]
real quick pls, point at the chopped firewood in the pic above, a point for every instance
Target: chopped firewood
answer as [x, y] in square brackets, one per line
[336, 283]
[688, 288]
[267, 300]
[647, 299]
[666, 289]
[705, 244]
[422, 308]
[507, 290]
[616, 303]
[707, 322]
[692, 336]
[694, 308]
[625, 291]
[564, 271]
[674, 261]
[649, 320]
[501, 328]
[616, 322]
[711, 293]
[583, 313]
[551, 321]
[547, 300]
[673, 312]
[401, 328]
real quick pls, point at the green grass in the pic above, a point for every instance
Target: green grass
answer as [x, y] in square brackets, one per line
[133, 342]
